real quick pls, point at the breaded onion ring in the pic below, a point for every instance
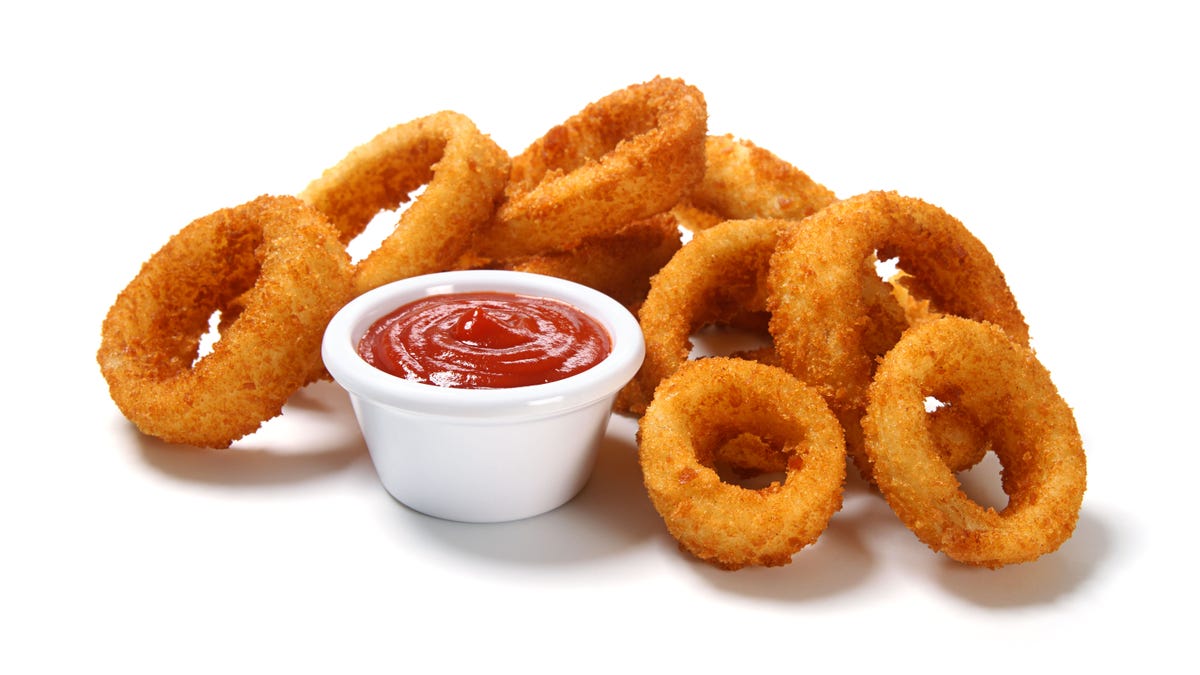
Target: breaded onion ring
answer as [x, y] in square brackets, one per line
[619, 265]
[1033, 433]
[742, 180]
[463, 172]
[283, 263]
[821, 321]
[719, 275]
[696, 412]
[628, 156]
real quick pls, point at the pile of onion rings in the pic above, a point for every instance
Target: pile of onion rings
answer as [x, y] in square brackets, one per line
[945, 329]
[634, 197]
[590, 201]
[820, 318]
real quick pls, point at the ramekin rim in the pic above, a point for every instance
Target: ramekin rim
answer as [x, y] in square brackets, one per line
[601, 381]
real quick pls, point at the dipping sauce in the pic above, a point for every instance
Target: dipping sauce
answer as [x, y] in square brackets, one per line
[485, 340]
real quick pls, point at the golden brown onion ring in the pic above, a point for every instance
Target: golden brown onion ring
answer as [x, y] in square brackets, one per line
[716, 277]
[694, 415]
[619, 265]
[463, 172]
[823, 327]
[1032, 430]
[719, 278]
[742, 180]
[283, 264]
[628, 156]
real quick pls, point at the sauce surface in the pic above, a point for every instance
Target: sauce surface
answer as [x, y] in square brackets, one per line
[485, 340]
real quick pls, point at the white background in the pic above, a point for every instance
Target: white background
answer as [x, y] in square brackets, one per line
[1063, 136]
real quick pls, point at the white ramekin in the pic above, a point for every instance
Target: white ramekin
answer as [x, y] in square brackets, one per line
[482, 455]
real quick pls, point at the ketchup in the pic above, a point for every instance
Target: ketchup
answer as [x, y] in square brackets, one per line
[485, 340]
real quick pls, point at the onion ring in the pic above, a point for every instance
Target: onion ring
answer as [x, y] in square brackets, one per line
[820, 321]
[619, 265]
[1032, 430]
[719, 275]
[463, 172]
[742, 180]
[628, 156]
[699, 409]
[719, 278]
[281, 261]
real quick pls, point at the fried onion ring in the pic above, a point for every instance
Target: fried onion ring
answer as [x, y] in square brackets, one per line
[628, 156]
[717, 276]
[720, 278]
[821, 323]
[742, 180]
[283, 265]
[1033, 433]
[696, 413]
[619, 265]
[464, 174]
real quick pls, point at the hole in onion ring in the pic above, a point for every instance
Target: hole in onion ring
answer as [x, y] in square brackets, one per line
[981, 483]
[218, 322]
[886, 268]
[727, 340]
[894, 300]
[382, 225]
[210, 337]
[753, 481]
[960, 440]
[751, 462]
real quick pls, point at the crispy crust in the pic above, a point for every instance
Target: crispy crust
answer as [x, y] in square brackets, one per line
[1003, 385]
[283, 264]
[619, 265]
[742, 180]
[628, 156]
[703, 409]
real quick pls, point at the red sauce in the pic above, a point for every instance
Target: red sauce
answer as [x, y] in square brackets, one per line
[485, 340]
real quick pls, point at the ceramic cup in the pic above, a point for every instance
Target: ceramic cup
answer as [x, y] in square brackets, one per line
[482, 455]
